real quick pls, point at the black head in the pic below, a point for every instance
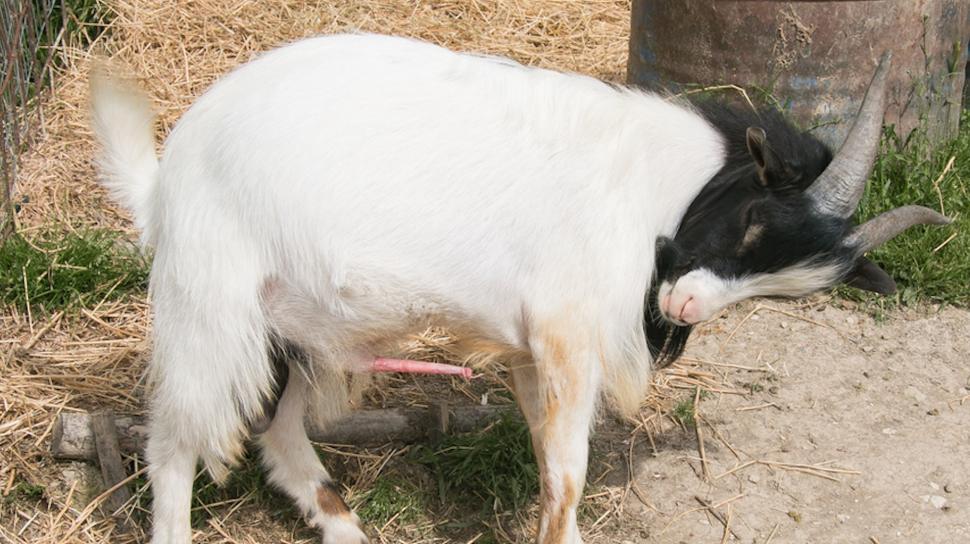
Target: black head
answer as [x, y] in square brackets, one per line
[751, 230]
[776, 220]
[754, 216]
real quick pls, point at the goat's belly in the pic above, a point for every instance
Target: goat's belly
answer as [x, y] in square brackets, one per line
[351, 326]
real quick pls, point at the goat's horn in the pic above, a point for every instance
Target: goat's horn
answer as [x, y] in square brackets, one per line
[838, 190]
[886, 226]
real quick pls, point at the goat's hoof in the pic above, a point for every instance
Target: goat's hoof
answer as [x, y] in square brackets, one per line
[343, 530]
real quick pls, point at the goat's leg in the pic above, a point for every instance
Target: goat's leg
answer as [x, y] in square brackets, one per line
[172, 471]
[557, 394]
[207, 375]
[294, 467]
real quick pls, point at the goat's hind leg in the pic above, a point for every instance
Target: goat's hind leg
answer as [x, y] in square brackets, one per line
[294, 467]
[172, 471]
[206, 376]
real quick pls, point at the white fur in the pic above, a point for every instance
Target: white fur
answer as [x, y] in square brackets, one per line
[122, 119]
[699, 294]
[348, 186]
[295, 468]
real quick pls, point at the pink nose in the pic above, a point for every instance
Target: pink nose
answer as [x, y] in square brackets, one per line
[688, 311]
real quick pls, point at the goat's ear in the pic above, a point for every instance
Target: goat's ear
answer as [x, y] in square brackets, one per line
[771, 169]
[868, 276]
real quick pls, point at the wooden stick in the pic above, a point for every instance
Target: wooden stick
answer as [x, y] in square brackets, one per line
[705, 470]
[735, 469]
[717, 434]
[771, 534]
[756, 407]
[818, 467]
[819, 471]
[710, 508]
[109, 457]
[727, 525]
[72, 437]
[726, 365]
[936, 184]
[39, 334]
[945, 242]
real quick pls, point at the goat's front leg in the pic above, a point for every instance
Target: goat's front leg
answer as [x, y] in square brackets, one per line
[557, 394]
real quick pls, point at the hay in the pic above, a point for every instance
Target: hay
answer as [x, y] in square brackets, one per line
[95, 358]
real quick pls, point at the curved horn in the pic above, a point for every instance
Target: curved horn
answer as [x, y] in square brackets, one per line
[838, 190]
[884, 227]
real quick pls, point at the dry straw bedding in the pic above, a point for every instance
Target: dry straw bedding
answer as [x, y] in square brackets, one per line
[95, 357]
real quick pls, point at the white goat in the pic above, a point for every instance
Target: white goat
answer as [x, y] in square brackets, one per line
[341, 192]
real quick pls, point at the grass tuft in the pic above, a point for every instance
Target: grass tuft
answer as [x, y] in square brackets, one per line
[683, 413]
[495, 466]
[388, 498]
[54, 271]
[907, 173]
[24, 492]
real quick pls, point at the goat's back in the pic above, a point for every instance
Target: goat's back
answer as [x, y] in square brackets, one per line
[361, 156]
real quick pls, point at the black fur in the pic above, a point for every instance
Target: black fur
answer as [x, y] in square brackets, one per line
[761, 184]
[282, 353]
[665, 339]
[737, 197]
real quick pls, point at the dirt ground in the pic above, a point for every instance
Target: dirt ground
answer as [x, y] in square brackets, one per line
[829, 425]
[888, 399]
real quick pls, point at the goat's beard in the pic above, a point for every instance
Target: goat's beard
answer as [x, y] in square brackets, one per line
[666, 340]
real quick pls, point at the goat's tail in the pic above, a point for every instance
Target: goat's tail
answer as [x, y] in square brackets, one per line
[123, 121]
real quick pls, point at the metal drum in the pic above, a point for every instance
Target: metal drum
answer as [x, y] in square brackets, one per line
[814, 58]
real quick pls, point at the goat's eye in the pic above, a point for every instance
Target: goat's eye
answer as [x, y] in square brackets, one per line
[752, 229]
[747, 217]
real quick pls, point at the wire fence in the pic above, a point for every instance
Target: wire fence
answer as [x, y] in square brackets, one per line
[26, 31]
[31, 33]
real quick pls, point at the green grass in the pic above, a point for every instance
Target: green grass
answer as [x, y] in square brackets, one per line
[391, 496]
[683, 412]
[60, 271]
[495, 467]
[905, 173]
[24, 492]
[76, 22]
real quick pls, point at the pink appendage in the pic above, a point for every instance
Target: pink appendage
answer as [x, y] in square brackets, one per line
[381, 364]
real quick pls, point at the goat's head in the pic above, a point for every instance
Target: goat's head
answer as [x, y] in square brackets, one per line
[776, 220]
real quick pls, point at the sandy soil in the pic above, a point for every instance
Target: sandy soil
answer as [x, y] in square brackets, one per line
[887, 398]
[833, 426]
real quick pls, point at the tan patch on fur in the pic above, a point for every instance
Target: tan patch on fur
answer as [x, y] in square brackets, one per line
[751, 236]
[558, 376]
[558, 517]
[461, 345]
[553, 362]
[330, 502]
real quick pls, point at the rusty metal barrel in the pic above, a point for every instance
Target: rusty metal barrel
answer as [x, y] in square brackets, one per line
[814, 58]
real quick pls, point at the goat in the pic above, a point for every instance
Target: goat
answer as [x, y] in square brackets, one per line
[335, 194]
